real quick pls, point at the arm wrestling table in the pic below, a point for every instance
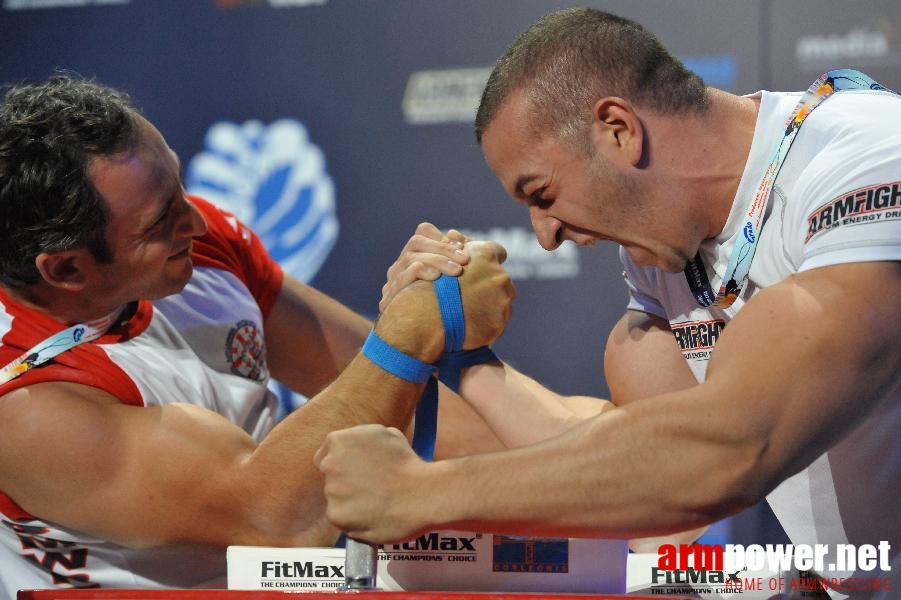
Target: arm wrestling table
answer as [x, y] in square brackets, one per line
[113, 594]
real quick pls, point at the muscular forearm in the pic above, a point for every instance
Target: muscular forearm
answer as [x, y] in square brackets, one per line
[520, 410]
[621, 474]
[292, 509]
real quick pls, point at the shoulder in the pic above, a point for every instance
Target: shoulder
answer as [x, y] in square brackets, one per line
[231, 246]
[50, 421]
[37, 399]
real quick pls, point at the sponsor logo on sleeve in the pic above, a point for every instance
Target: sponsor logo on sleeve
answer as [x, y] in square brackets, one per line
[873, 204]
[245, 351]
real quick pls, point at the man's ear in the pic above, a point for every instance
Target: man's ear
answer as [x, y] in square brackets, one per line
[617, 131]
[65, 269]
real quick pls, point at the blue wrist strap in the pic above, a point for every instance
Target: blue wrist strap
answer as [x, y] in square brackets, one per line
[451, 363]
[455, 359]
[394, 361]
[450, 303]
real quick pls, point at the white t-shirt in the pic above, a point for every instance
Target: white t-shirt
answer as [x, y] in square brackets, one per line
[837, 200]
[203, 346]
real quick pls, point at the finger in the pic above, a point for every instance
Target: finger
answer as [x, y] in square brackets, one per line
[454, 235]
[488, 249]
[428, 230]
[321, 453]
[395, 432]
[428, 269]
[418, 246]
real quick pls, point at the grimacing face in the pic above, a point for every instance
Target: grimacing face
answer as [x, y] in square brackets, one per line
[580, 197]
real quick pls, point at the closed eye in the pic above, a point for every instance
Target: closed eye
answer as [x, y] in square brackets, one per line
[538, 200]
[163, 216]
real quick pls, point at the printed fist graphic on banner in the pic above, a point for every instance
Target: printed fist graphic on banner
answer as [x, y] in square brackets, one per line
[273, 178]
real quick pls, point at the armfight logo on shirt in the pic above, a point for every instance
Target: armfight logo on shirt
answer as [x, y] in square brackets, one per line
[873, 204]
[696, 339]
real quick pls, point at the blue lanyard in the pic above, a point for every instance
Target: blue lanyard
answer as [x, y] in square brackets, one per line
[739, 265]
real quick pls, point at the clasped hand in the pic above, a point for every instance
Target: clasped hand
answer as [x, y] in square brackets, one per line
[408, 306]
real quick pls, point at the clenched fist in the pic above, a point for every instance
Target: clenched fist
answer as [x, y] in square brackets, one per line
[373, 482]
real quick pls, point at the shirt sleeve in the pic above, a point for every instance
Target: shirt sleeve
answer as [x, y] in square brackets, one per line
[849, 195]
[231, 245]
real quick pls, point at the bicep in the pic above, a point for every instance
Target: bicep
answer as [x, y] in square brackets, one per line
[311, 337]
[807, 360]
[642, 359]
[75, 456]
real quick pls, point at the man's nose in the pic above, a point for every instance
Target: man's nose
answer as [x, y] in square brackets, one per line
[547, 228]
[191, 222]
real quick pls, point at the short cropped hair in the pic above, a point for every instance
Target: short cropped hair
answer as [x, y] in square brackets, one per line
[571, 58]
[49, 135]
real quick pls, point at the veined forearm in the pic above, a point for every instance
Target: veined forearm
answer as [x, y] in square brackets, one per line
[294, 509]
[622, 474]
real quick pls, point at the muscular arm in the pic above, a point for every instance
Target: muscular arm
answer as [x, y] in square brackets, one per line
[311, 338]
[143, 477]
[624, 473]
[642, 360]
[519, 410]
[178, 473]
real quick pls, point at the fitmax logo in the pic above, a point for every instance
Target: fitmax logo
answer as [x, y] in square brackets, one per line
[433, 541]
[695, 576]
[301, 569]
[706, 565]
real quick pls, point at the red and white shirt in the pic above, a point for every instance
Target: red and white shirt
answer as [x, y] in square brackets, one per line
[202, 346]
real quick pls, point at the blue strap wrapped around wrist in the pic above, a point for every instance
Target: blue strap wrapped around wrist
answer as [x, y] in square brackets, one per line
[394, 361]
[449, 366]
[455, 358]
[450, 303]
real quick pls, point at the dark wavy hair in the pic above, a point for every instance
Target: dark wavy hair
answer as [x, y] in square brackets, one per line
[49, 134]
[571, 58]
